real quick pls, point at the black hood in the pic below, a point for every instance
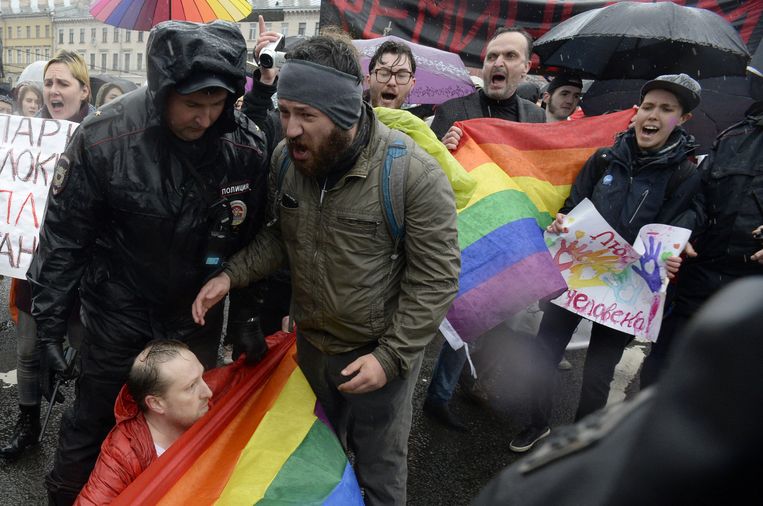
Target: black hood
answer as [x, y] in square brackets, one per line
[178, 50]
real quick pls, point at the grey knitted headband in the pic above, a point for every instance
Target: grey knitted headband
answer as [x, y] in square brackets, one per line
[336, 94]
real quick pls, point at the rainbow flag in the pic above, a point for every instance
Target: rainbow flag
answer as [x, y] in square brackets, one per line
[524, 172]
[265, 442]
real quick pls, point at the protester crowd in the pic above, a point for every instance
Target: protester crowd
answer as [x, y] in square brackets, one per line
[189, 190]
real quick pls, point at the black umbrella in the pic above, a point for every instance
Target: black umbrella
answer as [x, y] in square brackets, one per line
[724, 102]
[634, 40]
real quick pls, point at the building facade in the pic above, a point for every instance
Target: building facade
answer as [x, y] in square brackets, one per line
[26, 37]
[106, 49]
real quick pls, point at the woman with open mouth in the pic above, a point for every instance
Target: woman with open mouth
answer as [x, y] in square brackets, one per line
[66, 88]
[65, 94]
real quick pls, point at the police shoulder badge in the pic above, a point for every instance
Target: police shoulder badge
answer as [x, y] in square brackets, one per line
[60, 175]
[238, 210]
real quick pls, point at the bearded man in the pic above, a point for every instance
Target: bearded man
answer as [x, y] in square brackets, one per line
[366, 304]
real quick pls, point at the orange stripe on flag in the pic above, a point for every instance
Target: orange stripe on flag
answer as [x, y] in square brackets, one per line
[164, 473]
[557, 166]
[205, 480]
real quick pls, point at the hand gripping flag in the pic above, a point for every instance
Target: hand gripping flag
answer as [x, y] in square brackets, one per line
[524, 172]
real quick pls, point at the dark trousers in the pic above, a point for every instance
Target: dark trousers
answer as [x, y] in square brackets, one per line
[657, 360]
[87, 422]
[446, 374]
[604, 352]
[375, 425]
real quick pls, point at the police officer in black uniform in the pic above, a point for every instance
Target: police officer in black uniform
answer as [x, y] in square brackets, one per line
[153, 192]
[725, 218]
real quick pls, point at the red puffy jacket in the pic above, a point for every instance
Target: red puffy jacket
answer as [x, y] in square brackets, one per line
[129, 448]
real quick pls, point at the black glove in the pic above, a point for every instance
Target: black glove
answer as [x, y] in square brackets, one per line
[247, 338]
[53, 366]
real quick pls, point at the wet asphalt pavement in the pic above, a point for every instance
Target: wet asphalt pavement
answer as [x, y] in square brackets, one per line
[445, 467]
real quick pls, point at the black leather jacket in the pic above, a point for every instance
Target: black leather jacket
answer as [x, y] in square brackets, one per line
[130, 212]
[730, 204]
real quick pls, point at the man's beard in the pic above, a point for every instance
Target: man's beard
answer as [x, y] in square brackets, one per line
[326, 155]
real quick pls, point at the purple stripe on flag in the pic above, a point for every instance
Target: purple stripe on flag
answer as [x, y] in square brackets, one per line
[483, 307]
[497, 251]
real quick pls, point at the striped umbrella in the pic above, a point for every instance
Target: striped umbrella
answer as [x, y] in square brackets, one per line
[144, 14]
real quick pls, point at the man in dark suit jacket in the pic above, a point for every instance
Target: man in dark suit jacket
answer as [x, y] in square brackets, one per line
[507, 60]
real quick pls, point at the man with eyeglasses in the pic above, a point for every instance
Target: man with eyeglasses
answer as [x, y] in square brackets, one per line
[391, 75]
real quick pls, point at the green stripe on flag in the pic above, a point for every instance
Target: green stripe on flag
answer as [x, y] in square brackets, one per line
[494, 211]
[311, 473]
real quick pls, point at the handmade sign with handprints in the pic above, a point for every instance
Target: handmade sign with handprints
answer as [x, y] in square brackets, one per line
[610, 281]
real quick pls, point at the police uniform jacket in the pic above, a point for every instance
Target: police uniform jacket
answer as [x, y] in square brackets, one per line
[723, 214]
[128, 218]
[693, 438]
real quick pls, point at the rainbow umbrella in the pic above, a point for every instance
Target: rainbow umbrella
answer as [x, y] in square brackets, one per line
[144, 14]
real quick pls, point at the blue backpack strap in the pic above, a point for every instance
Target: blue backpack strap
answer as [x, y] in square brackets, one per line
[392, 185]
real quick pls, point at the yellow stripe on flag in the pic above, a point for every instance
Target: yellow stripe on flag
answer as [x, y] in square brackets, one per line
[548, 198]
[281, 431]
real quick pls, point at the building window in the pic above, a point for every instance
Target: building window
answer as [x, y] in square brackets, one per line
[92, 61]
[92, 35]
[302, 28]
[116, 35]
[139, 63]
[60, 36]
[47, 53]
[128, 35]
[81, 35]
[127, 62]
[28, 56]
[252, 31]
[115, 62]
[47, 31]
[18, 32]
[317, 28]
[105, 35]
[285, 29]
[36, 31]
[28, 32]
[268, 27]
[140, 36]
[37, 53]
[71, 35]
[10, 56]
[103, 61]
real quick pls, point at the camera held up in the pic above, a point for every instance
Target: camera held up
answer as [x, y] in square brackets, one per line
[273, 54]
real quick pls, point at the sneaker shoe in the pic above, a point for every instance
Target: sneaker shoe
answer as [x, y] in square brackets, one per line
[440, 412]
[527, 438]
[564, 365]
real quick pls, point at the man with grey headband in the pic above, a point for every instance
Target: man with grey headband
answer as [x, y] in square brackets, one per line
[365, 304]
